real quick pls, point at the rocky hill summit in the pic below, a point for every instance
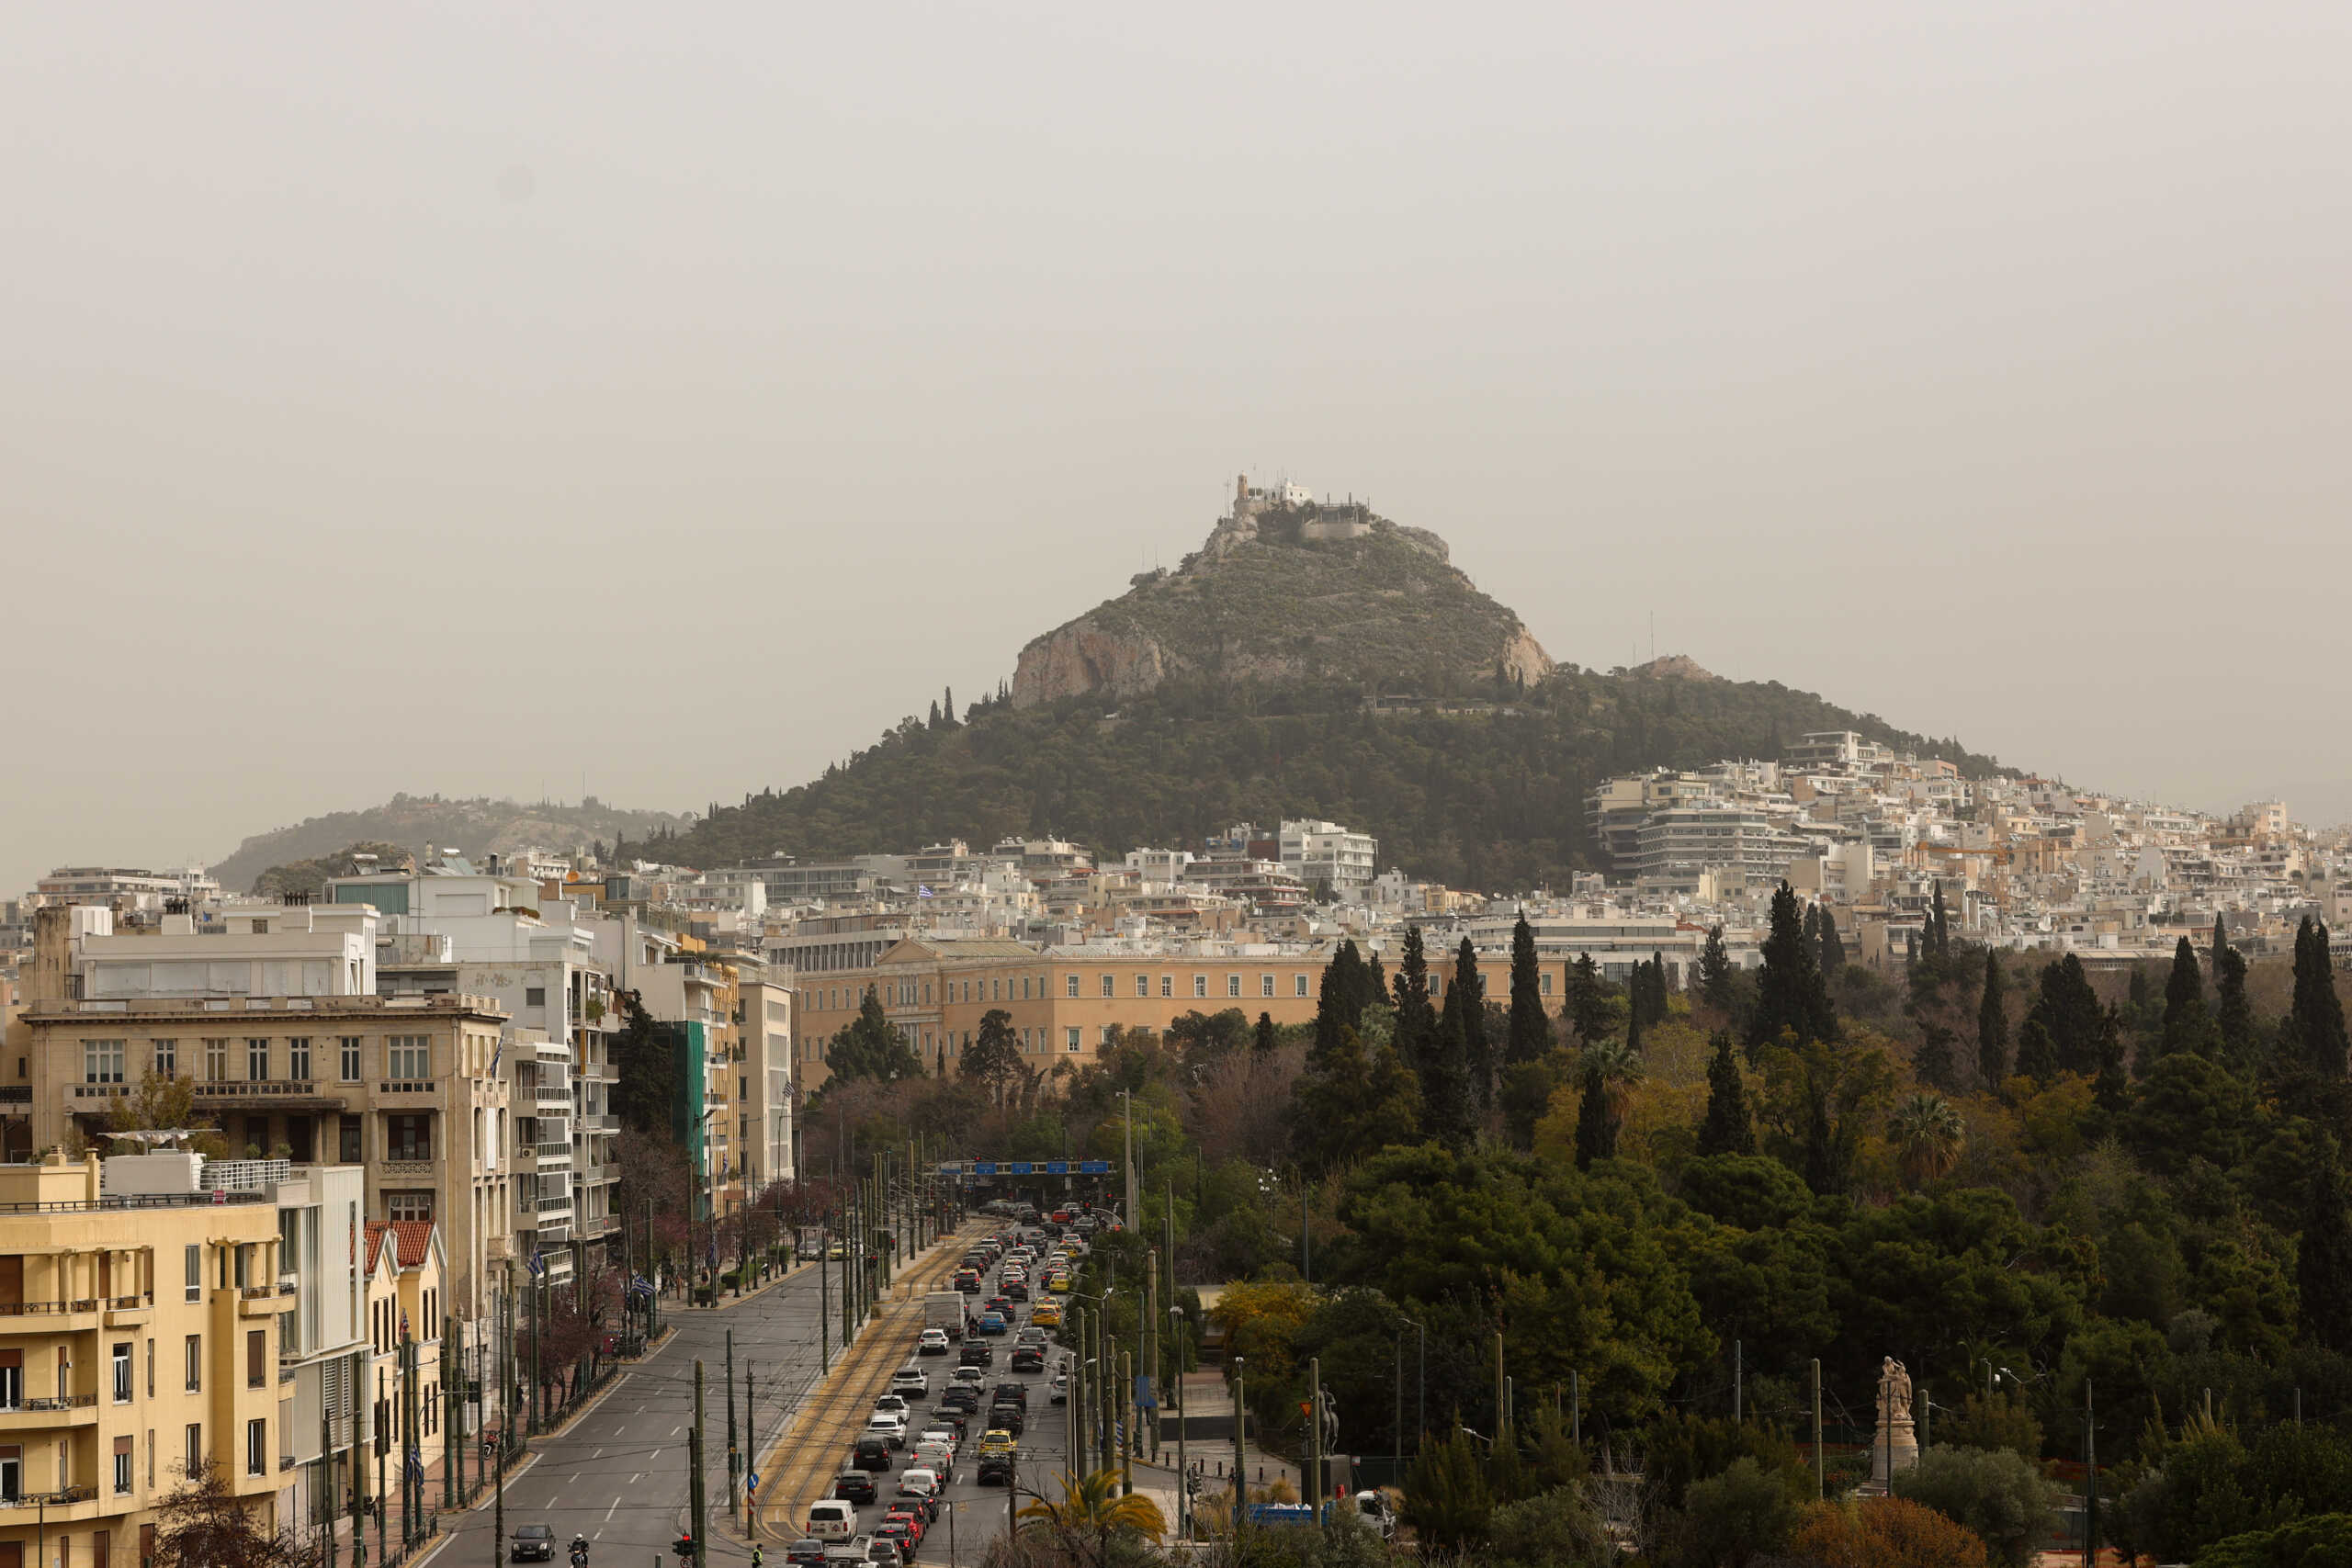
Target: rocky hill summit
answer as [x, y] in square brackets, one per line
[1288, 589]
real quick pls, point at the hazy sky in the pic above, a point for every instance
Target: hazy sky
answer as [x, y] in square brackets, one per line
[461, 397]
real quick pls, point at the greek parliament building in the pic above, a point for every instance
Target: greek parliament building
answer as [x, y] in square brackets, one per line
[278, 1022]
[1064, 1002]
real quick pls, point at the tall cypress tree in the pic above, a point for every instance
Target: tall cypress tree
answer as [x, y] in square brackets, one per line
[1790, 995]
[1466, 1022]
[1993, 1026]
[1449, 1108]
[1531, 1031]
[1939, 928]
[1340, 1002]
[1933, 1060]
[1833, 946]
[1596, 1121]
[2114, 1093]
[2316, 1019]
[1728, 1129]
[2220, 945]
[1715, 984]
[2233, 1015]
[2324, 1255]
[1376, 977]
[1587, 1002]
[2070, 1013]
[1812, 929]
[2037, 1051]
[1417, 1038]
[1263, 1044]
[2185, 987]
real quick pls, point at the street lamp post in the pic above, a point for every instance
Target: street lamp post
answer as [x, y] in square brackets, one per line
[1241, 1455]
[1176, 1326]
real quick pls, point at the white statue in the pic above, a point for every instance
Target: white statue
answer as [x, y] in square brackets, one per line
[1897, 1445]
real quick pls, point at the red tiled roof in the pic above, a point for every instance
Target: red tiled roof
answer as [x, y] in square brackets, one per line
[412, 1239]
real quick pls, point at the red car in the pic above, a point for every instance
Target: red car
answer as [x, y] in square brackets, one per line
[912, 1512]
[900, 1532]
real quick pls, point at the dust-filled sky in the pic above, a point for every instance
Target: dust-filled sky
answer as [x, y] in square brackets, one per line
[488, 399]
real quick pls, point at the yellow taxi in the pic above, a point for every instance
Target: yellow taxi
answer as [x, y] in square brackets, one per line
[1048, 1315]
[996, 1440]
[1058, 1284]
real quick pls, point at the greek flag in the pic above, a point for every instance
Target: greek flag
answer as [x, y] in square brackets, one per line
[536, 1264]
[640, 1286]
[923, 892]
[415, 1465]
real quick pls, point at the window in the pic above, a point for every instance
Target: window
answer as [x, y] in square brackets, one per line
[1168, 985]
[256, 1060]
[1107, 1030]
[122, 1389]
[1298, 985]
[12, 1380]
[1547, 984]
[256, 1354]
[1265, 984]
[1071, 988]
[534, 996]
[216, 1061]
[12, 1472]
[408, 1136]
[122, 1467]
[195, 1460]
[151, 1368]
[298, 1059]
[1072, 1036]
[1107, 983]
[347, 1048]
[408, 1205]
[1143, 984]
[167, 1058]
[101, 1061]
[408, 1057]
[257, 1446]
[1233, 984]
[1200, 985]
[195, 1272]
[347, 1141]
[1025, 987]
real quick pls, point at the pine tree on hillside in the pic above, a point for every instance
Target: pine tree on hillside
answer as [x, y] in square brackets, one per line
[1790, 995]
[947, 708]
[1531, 1029]
[1728, 1129]
[2316, 1019]
[1340, 1001]
[1715, 983]
[1993, 1026]
[1262, 1044]
[2187, 1026]
[2324, 1256]
[1376, 978]
[2220, 945]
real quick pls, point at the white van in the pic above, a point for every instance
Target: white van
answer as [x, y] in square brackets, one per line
[933, 1454]
[832, 1518]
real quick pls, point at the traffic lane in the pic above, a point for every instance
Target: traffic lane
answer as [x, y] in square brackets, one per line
[618, 1474]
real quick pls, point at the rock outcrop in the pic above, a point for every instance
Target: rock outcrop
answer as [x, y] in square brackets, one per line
[1287, 591]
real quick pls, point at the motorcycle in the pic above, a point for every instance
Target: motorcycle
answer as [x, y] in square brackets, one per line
[579, 1551]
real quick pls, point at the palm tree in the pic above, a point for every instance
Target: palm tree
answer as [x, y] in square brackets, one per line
[1928, 1136]
[1092, 1511]
[1618, 1064]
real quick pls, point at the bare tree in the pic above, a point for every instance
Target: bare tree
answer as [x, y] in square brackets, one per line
[205, 1524]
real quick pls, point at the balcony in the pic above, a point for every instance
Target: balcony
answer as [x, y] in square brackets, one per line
[63, 1498]
[406, 1091]
[41, 1415]
[408, 1168]
[552, 1094]
[279, 1094]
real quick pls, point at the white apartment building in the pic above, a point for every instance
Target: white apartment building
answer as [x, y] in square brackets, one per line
[1317, 852]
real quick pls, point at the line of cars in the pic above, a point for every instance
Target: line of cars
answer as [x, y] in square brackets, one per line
[968, 1395]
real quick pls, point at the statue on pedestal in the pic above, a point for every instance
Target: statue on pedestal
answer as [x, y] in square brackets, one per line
[1897, 1445]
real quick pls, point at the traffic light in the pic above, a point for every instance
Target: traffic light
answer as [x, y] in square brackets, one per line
[684, 1547]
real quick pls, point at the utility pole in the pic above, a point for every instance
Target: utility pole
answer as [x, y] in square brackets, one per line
[751, 1454]
[1128, 1170]
[451, 1448]
[1078, 1393]
[1124, 1404]
[383, 1445]
[734, 1454]
[2090, 1479]
[1150, 1329]
[698, 1518]
[326, 1454]
[1240, 1454]
[537, 1383]
[1819, 1489]
[824, 1301]
[1184, 1472]
[411, 1451]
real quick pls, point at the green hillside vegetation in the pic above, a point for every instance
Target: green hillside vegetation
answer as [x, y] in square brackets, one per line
[1492, 798]
[1380, 609]
[410, 822]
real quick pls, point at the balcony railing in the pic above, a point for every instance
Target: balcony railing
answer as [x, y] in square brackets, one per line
[58, 1499]
[39, 1309]
[552, 1094]
[553, 1151]
[251, 1088]
[139, 1201]
[408, 1166]
[61, 1401]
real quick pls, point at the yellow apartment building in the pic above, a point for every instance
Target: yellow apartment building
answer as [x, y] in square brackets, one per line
[137, 1343]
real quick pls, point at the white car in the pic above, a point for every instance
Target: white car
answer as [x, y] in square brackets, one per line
[889, 1425]
[933, 1343]
[972, 1376]
[893, 1400]
[911, 1382]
